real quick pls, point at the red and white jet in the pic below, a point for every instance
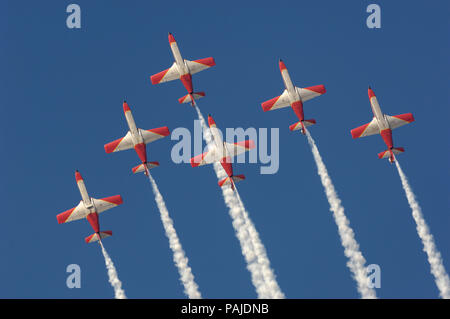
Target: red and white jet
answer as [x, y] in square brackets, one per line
[383, 124]
[294, 97]
[183, 70]
[89, 208]
[222, 152]
[137, 138]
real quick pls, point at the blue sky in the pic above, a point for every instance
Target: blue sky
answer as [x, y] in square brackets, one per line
[62, 93]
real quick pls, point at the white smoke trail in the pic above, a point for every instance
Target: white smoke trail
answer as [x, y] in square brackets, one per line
[434, 256]
[261, 255]
[356, 262]
[119, 293]
[179, 257]
[240, 227]
[251, 246]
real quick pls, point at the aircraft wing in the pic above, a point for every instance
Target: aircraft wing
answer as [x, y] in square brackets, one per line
[234, 149]
[76, 213]
[121, 144]
[167, 75]
[276, 102]
[208, 157]
[366, 129]
[310, 92]
[107, 203]
[199, 65]
[399, 120]
[154, 134]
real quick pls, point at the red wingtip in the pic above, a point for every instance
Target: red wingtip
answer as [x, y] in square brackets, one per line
[116, 199]
[371, 93]
[163, 131]
[221, 182]
[62, 218]
[78, 176]
[211, 121]
[134, 169]
[196, 160]
[318, 89]
[282, 66]
[248, 144]
[171, 38]
[267, 105]
[126, 107]
[88, 238]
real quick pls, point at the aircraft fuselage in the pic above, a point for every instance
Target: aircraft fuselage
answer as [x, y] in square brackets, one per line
[383, 125]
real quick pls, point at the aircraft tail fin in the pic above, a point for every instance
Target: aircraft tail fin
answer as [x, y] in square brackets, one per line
[95, 237]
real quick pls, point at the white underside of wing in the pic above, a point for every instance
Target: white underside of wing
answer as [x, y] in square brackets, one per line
[172, 74]
[79, 212]
[126, 143]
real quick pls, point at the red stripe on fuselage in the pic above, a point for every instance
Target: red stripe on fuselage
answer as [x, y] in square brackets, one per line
[93, 220]
[387, 137]
[186, 79]
[227, 166]
[297, 106]
[141, 152]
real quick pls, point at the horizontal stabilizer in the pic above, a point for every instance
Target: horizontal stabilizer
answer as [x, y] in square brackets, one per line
[298, 126]
[387, 154]
[141, 167]
[231, 180]
[188, 97]
[94, 237]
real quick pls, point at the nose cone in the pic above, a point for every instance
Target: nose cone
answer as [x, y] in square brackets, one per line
[171, 38]
[371, 93]
[126, 108]
[282, 65]
[211, 121]
[78, 176]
